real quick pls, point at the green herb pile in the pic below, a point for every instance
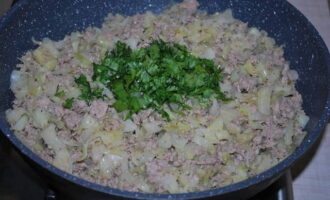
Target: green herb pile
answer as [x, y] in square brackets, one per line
[150, 77]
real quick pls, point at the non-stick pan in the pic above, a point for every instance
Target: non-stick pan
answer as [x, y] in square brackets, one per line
[303, 47]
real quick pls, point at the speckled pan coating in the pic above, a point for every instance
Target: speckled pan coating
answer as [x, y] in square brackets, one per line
[303, 47]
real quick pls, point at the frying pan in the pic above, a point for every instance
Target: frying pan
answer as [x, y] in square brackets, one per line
[303, 47]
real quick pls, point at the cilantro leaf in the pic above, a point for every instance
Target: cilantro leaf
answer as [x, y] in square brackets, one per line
[68, 103]
[59, 94]
[87, 93]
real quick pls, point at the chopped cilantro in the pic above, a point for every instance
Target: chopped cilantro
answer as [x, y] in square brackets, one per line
[87, 93]
[150, 77]
[68, 103]
[60, 94]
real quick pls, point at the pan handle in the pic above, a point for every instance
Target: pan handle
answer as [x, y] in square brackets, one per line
[286, 191]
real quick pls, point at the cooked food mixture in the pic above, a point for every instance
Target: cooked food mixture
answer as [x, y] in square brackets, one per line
[177, 102]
